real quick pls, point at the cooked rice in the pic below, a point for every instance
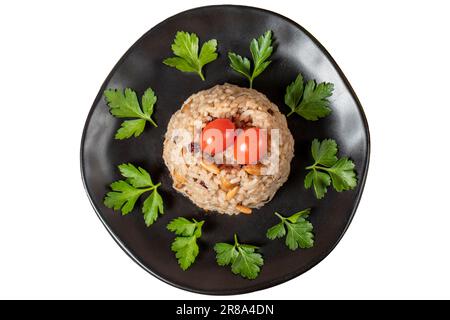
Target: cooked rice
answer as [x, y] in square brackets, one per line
[247, 107]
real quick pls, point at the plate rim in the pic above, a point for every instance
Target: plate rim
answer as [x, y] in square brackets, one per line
[279, 280]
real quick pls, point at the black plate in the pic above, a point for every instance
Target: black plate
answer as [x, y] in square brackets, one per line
[142, 67]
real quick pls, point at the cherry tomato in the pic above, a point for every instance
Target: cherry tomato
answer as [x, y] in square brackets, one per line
[217, 135]
[250, 145]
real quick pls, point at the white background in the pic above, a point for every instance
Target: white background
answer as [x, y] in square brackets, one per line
[54, 55]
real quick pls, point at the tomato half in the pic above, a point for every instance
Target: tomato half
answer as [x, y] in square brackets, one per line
[250, 145]
[217, 135]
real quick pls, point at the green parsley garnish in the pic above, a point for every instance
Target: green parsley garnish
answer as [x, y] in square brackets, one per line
[309, 101]
[299, 230]
[126, 192]
[261, 50]
[185, 245]
[125, 104]
[243, 258]
[328, 168]
[185, 48]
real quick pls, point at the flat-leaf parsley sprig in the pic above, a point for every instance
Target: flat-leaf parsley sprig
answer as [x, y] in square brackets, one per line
[328, 168]
[299, 230]
[244, 259]
[185, 245]
[261, 50]
[126, 192]
[125, 104]
[309, 100]
[187, 58]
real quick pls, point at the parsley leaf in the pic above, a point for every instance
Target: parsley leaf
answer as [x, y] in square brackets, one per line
[125, 104]
[186, 250]
[299, 230]
[343, 175]
[319, 180]
[122, 197]
[138, 177]
[243, 258]
[309, 101]
[261, 50]
[187, 58]
[182, 226]
[126, 192]
[225, 253]
[277, 231]
[240, 64]
[328, 169]
[185, 245]
[153, 206]
[148, 103]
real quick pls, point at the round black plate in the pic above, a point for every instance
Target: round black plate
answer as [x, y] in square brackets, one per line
[141, 67]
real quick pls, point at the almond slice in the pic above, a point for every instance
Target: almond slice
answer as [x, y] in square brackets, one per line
[211, 167]
[243, 209]
[179, 178]
[254, 169]
[226, 185]
[230, 194]
[186, 107]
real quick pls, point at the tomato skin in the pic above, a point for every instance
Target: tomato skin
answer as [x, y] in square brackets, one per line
[210, 141]
[250, 145]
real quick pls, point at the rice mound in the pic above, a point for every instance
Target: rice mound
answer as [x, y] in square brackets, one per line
[225, 188]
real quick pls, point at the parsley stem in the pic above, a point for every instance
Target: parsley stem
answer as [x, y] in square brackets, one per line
[149, 119]
[152, 122]
[251, 83]
[290, 113]
[157, 185]
[315, 166]
[236, 243]
[279, 216]
[151, 188]
[200, 73]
